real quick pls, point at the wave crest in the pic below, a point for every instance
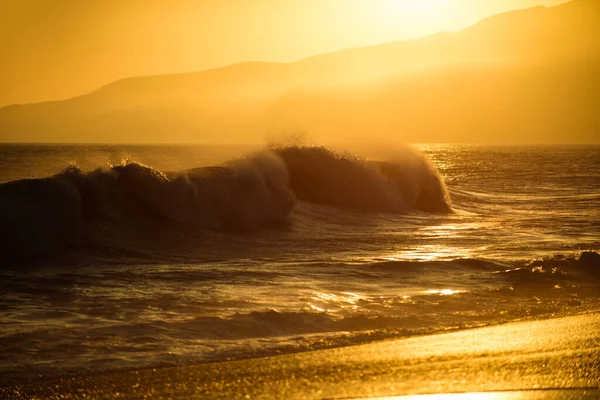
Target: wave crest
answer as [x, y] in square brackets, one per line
[406, 183]
[132, 202]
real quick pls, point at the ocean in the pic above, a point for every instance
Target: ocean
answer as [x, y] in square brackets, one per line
[126, 257]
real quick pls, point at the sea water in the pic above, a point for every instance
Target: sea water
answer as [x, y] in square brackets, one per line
[119, 257]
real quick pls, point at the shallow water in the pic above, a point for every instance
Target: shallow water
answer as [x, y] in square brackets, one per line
[267, 264]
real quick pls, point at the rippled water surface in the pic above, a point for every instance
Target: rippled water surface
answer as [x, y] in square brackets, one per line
[313, 263]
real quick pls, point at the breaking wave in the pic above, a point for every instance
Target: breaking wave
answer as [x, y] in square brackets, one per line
[406, 183]
[131, 201]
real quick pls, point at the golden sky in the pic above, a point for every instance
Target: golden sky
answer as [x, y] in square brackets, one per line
[57, 49]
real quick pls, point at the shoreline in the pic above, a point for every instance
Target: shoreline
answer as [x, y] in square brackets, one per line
[552, 353]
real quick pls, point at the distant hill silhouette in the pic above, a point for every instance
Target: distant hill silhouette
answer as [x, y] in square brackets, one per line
[527, 75]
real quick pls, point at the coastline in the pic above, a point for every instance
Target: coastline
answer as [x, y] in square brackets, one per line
[553, 353]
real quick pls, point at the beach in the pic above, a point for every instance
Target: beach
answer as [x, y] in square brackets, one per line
[204, 199]
[561, 353]
[281, 251]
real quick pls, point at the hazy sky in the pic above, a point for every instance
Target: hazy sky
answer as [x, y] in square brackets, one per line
[54, 49]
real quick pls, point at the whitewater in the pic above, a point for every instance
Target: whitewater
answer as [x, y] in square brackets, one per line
[121, 257]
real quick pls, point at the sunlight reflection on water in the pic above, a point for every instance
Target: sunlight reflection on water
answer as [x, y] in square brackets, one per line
[344, 302]
[445, 292]
[430, 253]
[471, 396]
[448, 230]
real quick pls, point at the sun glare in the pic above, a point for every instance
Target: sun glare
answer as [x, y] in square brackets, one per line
[419, 17]
[416, 6]
[420, 9]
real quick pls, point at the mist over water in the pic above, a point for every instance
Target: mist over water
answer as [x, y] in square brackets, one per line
[193, 254]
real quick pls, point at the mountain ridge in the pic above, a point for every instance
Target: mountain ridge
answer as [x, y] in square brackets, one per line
[268, 97]
[304, 59]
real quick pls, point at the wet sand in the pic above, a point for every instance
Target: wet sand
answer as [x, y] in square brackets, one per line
[555, 353]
